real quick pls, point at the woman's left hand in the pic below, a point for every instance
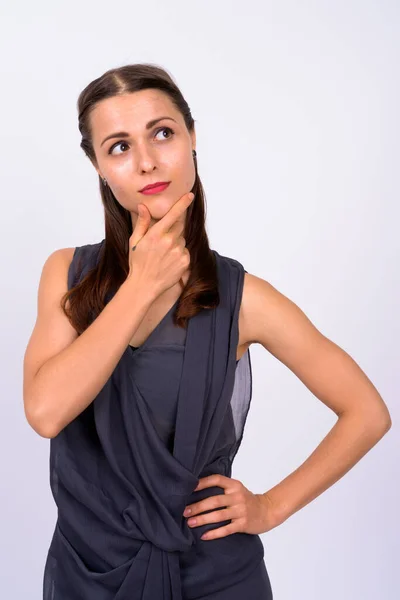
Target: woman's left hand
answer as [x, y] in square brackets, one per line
[249, 513]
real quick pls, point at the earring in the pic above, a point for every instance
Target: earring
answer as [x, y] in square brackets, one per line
[104, 181]
[194, 153]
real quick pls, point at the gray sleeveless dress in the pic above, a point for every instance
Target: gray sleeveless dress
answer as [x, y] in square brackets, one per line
[122, 472]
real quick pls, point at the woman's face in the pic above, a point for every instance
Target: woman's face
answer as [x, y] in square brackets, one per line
[144, 156]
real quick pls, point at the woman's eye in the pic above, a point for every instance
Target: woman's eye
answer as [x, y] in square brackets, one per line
[162, 129]
[115, 145]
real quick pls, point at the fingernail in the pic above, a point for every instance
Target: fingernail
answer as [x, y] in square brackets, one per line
[187, 511]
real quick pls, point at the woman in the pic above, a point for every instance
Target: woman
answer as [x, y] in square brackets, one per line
[138, 370]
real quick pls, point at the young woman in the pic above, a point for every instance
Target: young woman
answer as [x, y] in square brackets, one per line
[138, 370]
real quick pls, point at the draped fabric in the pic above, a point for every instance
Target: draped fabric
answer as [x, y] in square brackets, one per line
[121, 490]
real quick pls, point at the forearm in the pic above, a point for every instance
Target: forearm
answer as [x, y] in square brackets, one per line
[352, 436]
[68, 382]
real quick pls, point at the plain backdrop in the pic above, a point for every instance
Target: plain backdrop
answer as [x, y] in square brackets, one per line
[297, 118]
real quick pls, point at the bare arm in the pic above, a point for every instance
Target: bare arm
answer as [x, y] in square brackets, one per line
[332, 375]
[64, 372]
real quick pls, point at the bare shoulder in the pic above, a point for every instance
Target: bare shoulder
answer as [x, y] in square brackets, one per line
[57, 261]
[270, 318]
[55, 267]
[65, 254]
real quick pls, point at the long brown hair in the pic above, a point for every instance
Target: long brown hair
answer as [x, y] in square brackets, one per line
[88, 297]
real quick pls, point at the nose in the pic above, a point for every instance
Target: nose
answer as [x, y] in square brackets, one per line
[145, 159]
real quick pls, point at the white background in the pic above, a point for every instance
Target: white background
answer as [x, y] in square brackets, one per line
[297, 118]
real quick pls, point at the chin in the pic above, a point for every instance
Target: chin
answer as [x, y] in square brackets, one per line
[158, 205]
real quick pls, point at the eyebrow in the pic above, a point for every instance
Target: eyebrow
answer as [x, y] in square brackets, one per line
[124, 134]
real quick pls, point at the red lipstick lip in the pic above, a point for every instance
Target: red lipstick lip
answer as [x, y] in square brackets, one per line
[154, 185]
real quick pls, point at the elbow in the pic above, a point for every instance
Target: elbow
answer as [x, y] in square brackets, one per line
[375, 422]
[387, 423]
[40, 423]
[383, 420]
[380, 422]
[42, 428]
[376, 416]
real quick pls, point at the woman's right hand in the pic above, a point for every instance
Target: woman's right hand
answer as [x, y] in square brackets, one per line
[160, 258]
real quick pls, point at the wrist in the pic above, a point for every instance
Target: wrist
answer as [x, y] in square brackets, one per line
[277, 510]
[138, 291]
